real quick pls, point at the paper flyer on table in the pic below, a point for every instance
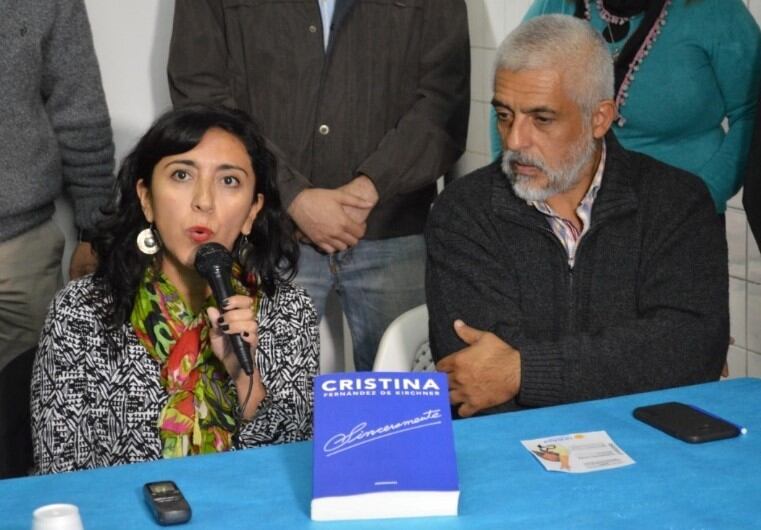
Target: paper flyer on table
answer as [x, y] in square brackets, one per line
[578, 452]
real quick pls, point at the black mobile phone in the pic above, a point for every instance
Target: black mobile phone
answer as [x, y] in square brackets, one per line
[686, 423]
[167, 502]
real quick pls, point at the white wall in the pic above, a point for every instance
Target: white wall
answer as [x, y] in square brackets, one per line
[131, 42]
[490, 21]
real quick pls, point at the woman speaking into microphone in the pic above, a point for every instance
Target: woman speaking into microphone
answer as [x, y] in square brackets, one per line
[135, 362]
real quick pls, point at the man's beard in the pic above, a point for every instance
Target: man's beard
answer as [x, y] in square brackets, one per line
[558, 180]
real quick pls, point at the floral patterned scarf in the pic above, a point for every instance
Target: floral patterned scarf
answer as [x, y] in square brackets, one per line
[199, 416]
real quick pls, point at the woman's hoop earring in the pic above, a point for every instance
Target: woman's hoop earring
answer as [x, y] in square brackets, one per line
[148, 241]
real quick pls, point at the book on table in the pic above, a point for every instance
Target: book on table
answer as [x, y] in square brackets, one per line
[383, 446]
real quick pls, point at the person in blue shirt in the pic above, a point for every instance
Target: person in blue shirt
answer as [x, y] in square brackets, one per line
[682, 68]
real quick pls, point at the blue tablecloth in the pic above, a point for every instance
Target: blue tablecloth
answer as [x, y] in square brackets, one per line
[672, 485]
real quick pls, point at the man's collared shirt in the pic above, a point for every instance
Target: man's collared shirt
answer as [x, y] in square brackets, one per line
[564, 229]
[326, 9]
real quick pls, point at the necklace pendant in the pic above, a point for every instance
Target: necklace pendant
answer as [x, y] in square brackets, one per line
[609, 17]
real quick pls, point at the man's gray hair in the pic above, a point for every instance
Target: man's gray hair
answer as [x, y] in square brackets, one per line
[566, 44]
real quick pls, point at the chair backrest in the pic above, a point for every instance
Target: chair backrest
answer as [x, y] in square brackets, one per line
[404, 346]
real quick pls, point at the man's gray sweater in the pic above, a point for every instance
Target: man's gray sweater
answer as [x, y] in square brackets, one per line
[644, 307]
[54, 125]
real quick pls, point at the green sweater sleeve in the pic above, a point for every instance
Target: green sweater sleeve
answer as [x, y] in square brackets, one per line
[736, 59]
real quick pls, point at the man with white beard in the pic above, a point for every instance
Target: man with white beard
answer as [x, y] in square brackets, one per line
[572, 269]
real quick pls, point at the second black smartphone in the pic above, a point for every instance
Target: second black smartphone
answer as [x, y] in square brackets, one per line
[685, 422]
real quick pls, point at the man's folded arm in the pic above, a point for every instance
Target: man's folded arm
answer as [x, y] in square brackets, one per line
[465, 279]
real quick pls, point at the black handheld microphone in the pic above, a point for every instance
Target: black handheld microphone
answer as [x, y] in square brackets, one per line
[215, 264]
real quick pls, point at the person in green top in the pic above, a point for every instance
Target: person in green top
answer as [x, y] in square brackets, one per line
[683, 67]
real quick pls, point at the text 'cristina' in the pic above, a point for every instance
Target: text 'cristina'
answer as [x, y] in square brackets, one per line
[378, 383]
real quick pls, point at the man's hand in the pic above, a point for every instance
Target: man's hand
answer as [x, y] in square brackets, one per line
[321, 217]
[83, 260]
[484, 374]
[363, 188]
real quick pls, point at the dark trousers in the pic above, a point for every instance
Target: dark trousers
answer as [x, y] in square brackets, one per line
[15, 430]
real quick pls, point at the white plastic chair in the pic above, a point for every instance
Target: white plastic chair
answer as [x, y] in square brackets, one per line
[404, 345]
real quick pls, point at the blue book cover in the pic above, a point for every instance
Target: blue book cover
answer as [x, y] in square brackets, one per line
[383, 446]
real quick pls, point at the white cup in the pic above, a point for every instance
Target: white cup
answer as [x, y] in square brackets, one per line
[57, 517]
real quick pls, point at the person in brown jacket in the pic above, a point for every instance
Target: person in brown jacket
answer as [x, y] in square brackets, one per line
[366, 105]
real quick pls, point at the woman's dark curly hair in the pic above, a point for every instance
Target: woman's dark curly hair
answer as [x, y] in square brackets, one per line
[121, 265]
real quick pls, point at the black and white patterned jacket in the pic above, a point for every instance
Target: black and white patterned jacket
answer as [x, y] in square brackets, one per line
[96, 402]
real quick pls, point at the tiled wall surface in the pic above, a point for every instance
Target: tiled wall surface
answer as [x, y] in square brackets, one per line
[490, 21]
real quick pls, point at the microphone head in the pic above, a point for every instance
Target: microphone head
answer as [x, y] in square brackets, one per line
[211, 256]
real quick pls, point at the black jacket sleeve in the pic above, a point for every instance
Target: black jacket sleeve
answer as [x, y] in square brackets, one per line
[752, 191]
